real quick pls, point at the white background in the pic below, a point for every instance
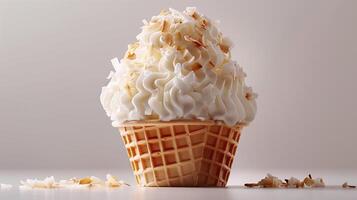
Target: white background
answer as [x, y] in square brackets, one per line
[300, 57]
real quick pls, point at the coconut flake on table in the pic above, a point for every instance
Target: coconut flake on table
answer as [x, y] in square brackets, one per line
[270, 181]
[112, 181]
[346, 185]
[294, 183]
[73, 183]
[47, 183]
[310, 182]
[4, 186]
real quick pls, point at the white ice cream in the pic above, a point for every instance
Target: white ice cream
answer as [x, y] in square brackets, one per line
[179, 68]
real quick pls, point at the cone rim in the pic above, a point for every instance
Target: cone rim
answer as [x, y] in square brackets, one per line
[175, 122]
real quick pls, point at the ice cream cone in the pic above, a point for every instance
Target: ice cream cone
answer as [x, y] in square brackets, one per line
[180, 153]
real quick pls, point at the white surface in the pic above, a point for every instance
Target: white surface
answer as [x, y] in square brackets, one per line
[300, 57]
[234, 190]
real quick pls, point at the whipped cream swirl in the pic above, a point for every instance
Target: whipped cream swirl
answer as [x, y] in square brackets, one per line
[180, 67]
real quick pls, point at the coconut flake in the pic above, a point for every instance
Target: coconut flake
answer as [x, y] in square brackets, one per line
[115, 63]
[112, 181]
[48, 182]
[4, 186]
[270, 181]
[346, 185]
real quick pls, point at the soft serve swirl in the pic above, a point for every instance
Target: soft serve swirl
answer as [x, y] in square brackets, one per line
[179, 68]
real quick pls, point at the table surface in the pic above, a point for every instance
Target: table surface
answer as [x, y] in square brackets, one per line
[234, 190]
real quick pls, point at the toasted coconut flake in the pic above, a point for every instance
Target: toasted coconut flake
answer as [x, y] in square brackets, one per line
[165, 26]
[250, 95]
[273, 182]
[96, 181]
[112, 181]
[270, 182]
[224, 48]
[86, 180]
[167, 38]
[294, 183]
[128, 90]
[177, 36]
[195, 16]
[251, 185]
[318, 182]
[210, 64]
[191, 39]
[204, 24]
[196, 66]
[191, 11]
[310, 182]
[346, 185]
[130, 55]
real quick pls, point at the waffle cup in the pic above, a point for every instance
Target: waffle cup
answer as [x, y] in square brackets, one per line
[180, 153]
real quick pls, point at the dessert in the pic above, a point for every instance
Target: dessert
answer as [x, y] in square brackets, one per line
[179, 101]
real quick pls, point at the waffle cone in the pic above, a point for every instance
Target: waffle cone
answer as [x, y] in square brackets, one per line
[180, 153]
